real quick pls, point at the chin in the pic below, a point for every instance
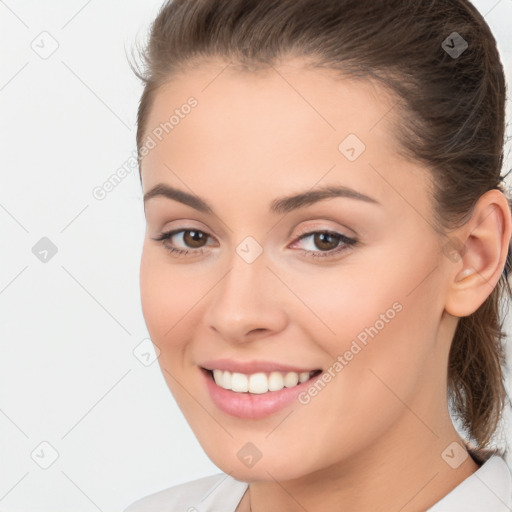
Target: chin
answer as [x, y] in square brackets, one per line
[276, 467]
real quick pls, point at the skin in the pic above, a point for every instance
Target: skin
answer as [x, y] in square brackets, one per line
[372, 439]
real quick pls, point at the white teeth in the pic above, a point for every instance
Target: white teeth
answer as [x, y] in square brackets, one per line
[303, 377]
[226, 380]
[218, 377]
[275, 381]
[260, 382]
[291, 379]
[239, 382]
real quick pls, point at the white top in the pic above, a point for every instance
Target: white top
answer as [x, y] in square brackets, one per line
[489, 489]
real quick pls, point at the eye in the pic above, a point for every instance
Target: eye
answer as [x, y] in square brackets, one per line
[192, 239]
[328, 243]
[193, 242]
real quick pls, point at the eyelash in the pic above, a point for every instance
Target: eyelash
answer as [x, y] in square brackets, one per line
[346, 241]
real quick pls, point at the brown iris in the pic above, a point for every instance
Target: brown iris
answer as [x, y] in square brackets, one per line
[325, 241]
[194, 239]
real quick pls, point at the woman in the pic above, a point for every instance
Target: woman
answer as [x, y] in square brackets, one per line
[327, 247]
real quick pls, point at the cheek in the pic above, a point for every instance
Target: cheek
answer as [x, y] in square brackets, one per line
[382, 323]
[347, 304]
[165, 303]
[390, 293]
[382, 365]
[165, 298]
[154, 299]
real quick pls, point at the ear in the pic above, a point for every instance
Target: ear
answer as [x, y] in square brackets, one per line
[476, 254]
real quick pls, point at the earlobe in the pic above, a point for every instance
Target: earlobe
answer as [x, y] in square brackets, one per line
[484, 240]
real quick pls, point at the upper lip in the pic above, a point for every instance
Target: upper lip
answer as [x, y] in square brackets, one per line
[250, 367]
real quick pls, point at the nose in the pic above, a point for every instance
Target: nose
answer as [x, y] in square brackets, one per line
[248, 303]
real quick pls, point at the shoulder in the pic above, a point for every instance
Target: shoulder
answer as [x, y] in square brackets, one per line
[195, 496]
[489, 488]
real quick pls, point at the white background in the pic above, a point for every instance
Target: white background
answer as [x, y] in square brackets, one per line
[68, 327]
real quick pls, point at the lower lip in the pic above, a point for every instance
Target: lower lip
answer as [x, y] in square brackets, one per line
[251, 405]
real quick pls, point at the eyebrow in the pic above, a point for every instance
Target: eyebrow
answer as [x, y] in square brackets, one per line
[277, 206]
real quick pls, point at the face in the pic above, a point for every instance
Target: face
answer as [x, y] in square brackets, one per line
[342, 285]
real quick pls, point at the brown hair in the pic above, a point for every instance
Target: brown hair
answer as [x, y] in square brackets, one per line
[452, 109]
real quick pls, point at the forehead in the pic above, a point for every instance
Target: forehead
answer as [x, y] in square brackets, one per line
[285, 122]
[316, 104]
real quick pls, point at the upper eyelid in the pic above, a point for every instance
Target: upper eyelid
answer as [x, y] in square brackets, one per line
[309, 229]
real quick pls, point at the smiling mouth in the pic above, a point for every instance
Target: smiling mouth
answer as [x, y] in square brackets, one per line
[260, 382]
